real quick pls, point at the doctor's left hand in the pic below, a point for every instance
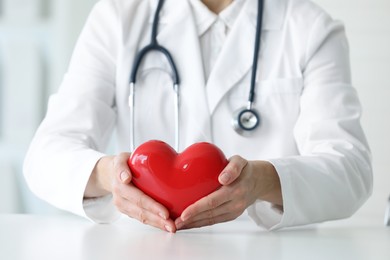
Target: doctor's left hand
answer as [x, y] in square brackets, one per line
[243, 182]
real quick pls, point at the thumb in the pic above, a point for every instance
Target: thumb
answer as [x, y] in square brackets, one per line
[122, 169]
[233, 170]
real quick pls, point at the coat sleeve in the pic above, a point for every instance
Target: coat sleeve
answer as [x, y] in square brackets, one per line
[79, 121]
[332, 175]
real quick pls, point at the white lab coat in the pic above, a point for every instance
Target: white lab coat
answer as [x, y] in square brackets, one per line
[310, 113]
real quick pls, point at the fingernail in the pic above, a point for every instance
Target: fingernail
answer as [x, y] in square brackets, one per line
[224, 178]
[162, 216]
[169, 229]
[124, 176]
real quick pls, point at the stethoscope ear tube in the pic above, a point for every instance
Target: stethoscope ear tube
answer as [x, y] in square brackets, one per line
[132, 113]
[387, 214]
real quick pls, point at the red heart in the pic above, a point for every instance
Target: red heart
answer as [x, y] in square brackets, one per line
[176, 180]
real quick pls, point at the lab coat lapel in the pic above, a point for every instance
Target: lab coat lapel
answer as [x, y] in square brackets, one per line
[179, 35]
[236, 57]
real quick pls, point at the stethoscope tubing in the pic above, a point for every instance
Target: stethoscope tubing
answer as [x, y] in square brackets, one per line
[158, 48]
[247, 119]
[259, 27]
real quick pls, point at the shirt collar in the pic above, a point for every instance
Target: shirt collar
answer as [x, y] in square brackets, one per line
[274, 13]
[205, 18]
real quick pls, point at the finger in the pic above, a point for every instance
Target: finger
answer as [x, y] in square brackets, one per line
[233, 170]
[150, 218]
[145, 216]
[136, 197]
[213, 216]
[210, 215]
[208, 222]
[208, 202]
[121, 168]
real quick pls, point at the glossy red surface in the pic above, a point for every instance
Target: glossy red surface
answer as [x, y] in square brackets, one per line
[176, 180]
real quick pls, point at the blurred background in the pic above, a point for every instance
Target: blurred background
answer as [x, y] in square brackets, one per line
[36, 42]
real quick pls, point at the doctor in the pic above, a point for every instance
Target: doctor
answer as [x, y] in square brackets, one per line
[307, 161]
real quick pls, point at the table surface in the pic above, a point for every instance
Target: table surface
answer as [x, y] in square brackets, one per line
[68, 237]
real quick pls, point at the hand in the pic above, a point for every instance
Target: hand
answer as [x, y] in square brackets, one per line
[242, 183]
[113, 174]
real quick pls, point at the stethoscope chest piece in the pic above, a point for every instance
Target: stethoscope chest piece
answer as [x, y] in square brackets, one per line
[245, 121]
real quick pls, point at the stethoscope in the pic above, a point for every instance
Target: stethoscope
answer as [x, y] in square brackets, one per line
[387, 214]
[245, 119]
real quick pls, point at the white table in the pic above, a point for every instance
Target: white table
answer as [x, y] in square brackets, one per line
[72, 238]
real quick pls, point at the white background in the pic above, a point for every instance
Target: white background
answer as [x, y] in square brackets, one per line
[36, 41]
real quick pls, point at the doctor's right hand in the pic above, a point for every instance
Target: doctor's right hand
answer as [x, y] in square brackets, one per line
[112, 174]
